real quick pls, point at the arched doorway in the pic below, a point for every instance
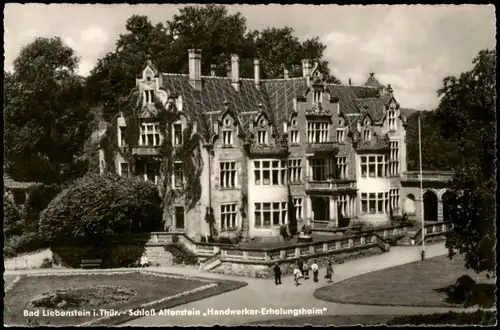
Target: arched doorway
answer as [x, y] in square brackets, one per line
[430, 206]
[409, 206]
[449, 205]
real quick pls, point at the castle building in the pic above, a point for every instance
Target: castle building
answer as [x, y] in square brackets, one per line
[273, 151]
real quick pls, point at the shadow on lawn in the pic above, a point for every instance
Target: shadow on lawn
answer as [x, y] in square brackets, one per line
[468, 293]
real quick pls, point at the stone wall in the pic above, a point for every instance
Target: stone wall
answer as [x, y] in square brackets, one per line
[261, 271]
[157, 256]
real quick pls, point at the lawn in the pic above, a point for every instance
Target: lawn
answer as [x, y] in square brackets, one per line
[414, 284]
[147, 288]
[7, 279]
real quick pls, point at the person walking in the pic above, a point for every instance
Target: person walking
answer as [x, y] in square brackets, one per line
[329, 272]
[306, 269]
[277, 274]
[297, 274]
[314, 268]
[300, 263]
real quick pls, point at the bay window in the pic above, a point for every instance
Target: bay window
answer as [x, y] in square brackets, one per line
[373, 166]
[318, 169]
[270, 214]
[374, 203]
[270, 172]
[294, 170]
[317, 131]
[150, 135]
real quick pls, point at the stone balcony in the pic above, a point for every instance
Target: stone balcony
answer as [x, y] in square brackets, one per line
[322, 147]
[330, 185]
[145, 151]
[434, 176]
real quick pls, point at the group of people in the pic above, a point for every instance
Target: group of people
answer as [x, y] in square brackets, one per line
[302, 269]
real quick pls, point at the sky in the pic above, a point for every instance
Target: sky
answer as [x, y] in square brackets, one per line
[410, 47]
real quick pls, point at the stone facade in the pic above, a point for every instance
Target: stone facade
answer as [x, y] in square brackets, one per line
[281, 149]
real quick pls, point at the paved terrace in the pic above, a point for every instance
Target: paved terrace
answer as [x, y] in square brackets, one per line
[264, 293]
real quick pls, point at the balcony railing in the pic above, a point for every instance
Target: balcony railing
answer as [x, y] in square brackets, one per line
[321, 147]
[330, 184]
[145, 151]
[443, 176]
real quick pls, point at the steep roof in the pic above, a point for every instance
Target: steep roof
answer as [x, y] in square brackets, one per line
[275, 97]
[373, 82]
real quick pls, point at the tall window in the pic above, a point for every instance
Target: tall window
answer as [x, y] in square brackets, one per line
[123, 136]
[270, 172]
[394, 158]
[178, 175]
[340, 135]
[342, 167]
[317, 96]
[394, 198]
[294, 132]
[297, 206]
[271, 214]
[317, 132]
[343, 205]
[149, 96]
[227, 216]
[392, 119]
[124, 170]
[178, 134]
[374, 203]
[294, 170]
[262, 137]
[318, 169]
[150, 135]
[227, 137]
[373, 166]
[179, 217]
[367, 134]
[227, 174]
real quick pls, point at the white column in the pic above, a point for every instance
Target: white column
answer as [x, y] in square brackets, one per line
[331, 209]
[309, 213]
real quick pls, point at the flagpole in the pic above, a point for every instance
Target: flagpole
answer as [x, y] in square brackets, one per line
[421, 188]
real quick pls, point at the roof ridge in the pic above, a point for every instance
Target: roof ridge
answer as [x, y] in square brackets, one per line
[343, 85]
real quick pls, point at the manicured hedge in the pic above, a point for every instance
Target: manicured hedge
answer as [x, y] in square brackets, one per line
[98, 206]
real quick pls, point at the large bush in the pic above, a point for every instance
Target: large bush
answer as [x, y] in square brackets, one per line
[99, 206]
[13, 220]
[39, 198]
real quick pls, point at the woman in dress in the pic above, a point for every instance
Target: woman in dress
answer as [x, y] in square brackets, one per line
[329, 272]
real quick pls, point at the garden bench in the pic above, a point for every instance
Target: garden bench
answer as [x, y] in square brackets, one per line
[91, 263]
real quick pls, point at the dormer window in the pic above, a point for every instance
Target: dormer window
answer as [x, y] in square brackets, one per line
[227, 132]
[177, 134]
[367, 134]
[149, 96]
[391, 114]
[262, 132]
[294, 132]
[341, 131]
[317, 96]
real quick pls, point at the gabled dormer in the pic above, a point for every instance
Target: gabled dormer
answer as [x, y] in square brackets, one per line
[341, 129]
[263, 129]
[392, 113]
[367, 127]
[148, 83]
[293, 129]
[229, 126]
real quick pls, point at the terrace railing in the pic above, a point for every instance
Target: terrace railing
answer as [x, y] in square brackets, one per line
[432, 230]
[442, 176]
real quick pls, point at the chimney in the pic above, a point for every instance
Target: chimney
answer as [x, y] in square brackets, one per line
[195, 68]
[235, 72]
[212, 70]
[285, 73]
[256, 73]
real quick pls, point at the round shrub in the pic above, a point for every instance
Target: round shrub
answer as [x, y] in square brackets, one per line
[39, 197]
[13, 222]
[98, 206]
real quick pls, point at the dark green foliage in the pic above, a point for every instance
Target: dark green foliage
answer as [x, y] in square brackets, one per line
[39, 198]
[181, 254]
[467, 113]
[117, 255]
[46, 118]
[96, 207]
[479, 318]
[26, 242]
[46, 263]
[13, 223]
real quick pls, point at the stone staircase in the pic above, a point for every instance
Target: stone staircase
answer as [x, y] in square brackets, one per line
[407, 240]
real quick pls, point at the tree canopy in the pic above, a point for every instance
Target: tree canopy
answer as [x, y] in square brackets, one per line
[209, 28]
[467, 114]
[46, 116]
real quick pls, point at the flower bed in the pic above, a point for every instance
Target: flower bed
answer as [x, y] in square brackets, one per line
[154, 291]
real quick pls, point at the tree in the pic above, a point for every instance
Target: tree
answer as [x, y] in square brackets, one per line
[467, 113]
[438, 153]
[96, 207]
[46, 117]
